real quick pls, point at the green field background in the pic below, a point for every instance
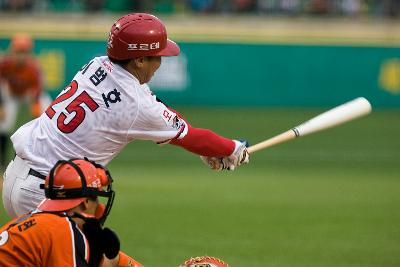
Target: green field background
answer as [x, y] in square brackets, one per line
[326, 200]
[330, 199]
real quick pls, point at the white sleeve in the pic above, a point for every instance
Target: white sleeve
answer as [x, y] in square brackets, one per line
[156, 122]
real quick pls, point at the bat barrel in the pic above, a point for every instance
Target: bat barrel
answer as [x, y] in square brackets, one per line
[333, 117]
[336, 116]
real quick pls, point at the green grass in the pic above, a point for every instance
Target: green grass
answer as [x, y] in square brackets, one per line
[330, 199]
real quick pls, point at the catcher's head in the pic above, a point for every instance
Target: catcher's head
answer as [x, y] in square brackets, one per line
[74, 181]
[139, 35]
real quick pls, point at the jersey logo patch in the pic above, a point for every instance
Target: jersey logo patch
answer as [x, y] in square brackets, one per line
[26, 225]
[172, 119]
[99, 76]
[112, 97]
[177, 123]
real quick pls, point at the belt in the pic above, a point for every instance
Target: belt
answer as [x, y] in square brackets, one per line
[37, 174]
[32, 171]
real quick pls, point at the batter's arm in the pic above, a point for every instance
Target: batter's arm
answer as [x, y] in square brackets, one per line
[205, 142]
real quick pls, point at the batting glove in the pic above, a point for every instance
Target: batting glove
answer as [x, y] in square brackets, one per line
[239, 156]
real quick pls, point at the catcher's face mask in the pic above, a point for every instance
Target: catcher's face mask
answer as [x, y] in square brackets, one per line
[72, 182]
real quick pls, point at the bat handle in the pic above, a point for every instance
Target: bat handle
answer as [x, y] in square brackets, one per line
[283, 137]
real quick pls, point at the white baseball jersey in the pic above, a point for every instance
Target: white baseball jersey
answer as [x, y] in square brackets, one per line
[96, 115]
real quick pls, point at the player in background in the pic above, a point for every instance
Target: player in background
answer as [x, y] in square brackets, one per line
[66, 228]
[20, 81]
[106, 106]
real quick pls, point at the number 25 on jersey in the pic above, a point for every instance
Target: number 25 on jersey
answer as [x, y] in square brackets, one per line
[75, 106]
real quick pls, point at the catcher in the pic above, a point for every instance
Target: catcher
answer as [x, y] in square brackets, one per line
[66, 228]
[106, 106]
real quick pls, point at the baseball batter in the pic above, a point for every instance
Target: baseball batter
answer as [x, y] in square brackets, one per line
[65, 229]
[106, 106]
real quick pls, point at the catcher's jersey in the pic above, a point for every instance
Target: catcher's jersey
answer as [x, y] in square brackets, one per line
[43, 239]
[96, 115]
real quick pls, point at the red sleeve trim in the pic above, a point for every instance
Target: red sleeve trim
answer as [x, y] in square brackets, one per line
[205, 142]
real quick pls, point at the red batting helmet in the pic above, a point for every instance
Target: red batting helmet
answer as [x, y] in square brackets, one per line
[137, 35]
[71, 182]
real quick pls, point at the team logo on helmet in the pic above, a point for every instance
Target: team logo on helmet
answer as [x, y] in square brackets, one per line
[144, 47]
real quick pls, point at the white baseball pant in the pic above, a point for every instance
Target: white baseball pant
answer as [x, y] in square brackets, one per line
[21, 189]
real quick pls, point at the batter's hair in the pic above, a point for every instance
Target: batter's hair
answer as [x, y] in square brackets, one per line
[121, 62]
[125, 62]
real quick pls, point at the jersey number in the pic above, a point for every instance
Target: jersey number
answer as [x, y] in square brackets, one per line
[75, 106]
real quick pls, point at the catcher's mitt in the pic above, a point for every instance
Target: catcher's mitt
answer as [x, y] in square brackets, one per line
[204, 261]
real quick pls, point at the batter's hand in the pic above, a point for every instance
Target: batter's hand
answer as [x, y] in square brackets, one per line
[239, 156]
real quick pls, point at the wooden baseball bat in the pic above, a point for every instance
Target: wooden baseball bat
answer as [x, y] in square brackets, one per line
[336, 116]
[346, 112]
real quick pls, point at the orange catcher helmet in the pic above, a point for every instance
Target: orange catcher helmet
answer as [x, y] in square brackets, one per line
[137, 35]
[72, 182]
[21, 43]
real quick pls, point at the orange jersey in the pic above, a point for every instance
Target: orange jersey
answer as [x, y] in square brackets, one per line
[43, 239]
[22, 78]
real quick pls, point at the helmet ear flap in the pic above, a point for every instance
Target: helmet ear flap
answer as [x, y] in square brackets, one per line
[102, 174]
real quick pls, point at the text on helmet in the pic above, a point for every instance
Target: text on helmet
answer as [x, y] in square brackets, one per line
[151, 46]
[95, 184]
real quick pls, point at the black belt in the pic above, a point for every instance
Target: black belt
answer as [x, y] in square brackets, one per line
[37, 174]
